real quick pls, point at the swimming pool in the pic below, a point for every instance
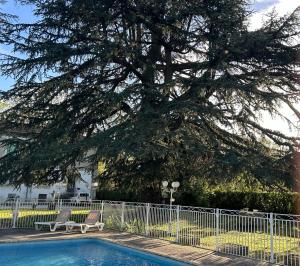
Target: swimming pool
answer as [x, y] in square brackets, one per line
[80, 252]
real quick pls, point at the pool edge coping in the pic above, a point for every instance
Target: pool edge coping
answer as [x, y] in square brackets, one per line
[197, 256]
[78, 237]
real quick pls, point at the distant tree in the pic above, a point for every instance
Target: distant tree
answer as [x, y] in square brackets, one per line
[155, 89]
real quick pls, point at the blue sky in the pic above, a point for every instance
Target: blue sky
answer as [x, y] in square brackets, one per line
[264, 4]
[25, 14]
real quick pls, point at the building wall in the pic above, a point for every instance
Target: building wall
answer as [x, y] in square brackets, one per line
[27, 193]
[84, 185]
[30, 192]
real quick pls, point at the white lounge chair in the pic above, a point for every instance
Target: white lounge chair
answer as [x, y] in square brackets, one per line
[91, 221]
[60, 220]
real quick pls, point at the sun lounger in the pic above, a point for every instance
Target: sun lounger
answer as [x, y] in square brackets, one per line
[60, 220]
[91, 221]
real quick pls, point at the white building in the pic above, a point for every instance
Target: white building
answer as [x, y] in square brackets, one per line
[48, 192]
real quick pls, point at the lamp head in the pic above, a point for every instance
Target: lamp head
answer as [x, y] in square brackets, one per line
[164, 183]
[175, 184]
[95, 184]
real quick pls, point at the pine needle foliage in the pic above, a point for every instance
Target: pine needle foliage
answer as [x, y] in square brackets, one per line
[155, 89]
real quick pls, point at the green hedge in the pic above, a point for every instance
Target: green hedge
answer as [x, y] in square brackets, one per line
[116, 195]
[279, 202]
[284, 202]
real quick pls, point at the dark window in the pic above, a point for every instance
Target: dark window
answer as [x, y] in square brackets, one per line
[42, 197]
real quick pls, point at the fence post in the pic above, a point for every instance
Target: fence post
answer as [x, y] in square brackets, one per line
[122, 215]
[102, 209]
[217, 214]
[177, 223]
[147, 218]
[60, 204]
[271, 221]
[15, 213]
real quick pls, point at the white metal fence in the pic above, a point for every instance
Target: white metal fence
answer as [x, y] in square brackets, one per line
[262, 236]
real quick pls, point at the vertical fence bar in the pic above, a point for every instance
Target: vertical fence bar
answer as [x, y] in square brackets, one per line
[217, 216]
[147, 218]
[122, 215]
[271, 222]
[102, 211]
[60, 205]
[15, 213]
[177, 223]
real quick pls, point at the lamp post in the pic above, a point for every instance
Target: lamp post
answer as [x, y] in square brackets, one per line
[174, 186]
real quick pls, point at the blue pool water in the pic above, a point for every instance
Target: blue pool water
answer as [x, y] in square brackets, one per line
[82, 252]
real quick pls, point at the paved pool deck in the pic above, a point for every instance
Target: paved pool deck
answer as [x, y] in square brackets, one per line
[191, 255]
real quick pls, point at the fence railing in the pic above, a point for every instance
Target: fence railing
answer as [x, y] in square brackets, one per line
[262, 236]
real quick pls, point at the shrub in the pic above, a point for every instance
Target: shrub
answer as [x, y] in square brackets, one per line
[277, 202]
[285, 202]
[116, 195]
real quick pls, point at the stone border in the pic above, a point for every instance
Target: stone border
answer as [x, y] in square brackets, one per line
[185, 254]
